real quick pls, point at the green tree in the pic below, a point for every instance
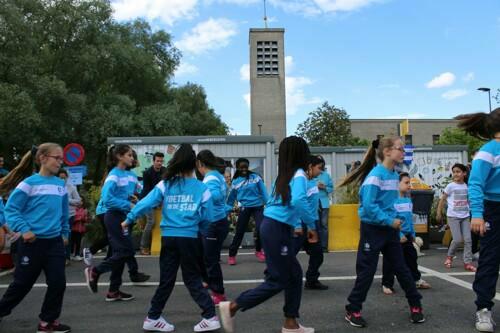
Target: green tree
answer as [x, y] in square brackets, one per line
[328, 126]
[456, 136]
[70, 73]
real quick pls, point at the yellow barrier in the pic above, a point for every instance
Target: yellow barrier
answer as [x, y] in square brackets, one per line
[343, 227]
[156, 239]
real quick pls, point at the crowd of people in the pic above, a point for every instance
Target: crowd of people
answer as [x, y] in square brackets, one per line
[49, 218]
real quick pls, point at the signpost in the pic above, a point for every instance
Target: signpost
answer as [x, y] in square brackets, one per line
[73, 154]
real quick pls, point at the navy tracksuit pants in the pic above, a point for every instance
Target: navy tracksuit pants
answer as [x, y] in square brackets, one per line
[489, 257]
[47, 255]
[315, 252]
[122, 249]
[241, 227]
[186, 253]
[283, 272]
[374, 240]
[213, 238]
[410, 256]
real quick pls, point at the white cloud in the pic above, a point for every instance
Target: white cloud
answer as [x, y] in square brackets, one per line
[208, 35]
[295, 95]
[289, 64]
[167, 11]
[442, 80]
[186, 68]
[316, 7]
[454, 94]
[246, 97]
[245, 72]
[469, 77]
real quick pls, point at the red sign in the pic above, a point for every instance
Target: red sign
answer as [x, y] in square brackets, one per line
[73, 154]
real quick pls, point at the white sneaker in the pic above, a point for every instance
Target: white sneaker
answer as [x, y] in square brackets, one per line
[206, 325]
[484, 322]
[87, 256]
[301, 329]
[225, 316]
[77, 258]
[158, 325]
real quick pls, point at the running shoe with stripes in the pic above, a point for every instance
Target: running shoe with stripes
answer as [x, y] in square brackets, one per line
[158, 325]
[207, 325]
[354, 318]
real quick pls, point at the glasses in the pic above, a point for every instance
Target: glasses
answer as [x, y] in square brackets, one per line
[57, 158]
[401, 149]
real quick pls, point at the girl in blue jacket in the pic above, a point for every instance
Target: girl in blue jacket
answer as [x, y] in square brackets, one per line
[287, 204]
[217, 229]
[380, 228]
[38, 209]
[187, 209]
[484, 197]
[248, 189]
[115, 204]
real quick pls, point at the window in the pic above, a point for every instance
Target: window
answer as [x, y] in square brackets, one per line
[408, 139]
[267, 58]
[435, 139]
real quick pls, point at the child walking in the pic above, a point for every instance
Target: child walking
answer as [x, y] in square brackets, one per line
[116, 201]
[404, 212]
[484, 196]
[217, 230]
[187, 207]
[38, 209]
[379, 227]
[288, 203]
[249, 190]
[458, 216]
[78, 230]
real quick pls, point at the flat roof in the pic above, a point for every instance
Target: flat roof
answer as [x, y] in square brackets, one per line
[361, 149]
[267, 30]
[158, 140]
[400, 120]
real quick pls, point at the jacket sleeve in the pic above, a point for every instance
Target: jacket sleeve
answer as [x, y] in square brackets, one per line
[2, 213]
[481, 168]
[206, 210]
[15, 205]
[146, 204]
[231, 199]
[73, 197]
[301, 203]
[65, 217]
[146, 183]
[368, 194]
[110, 199]
[263, 191]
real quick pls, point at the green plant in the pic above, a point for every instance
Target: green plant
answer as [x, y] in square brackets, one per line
[347, 194]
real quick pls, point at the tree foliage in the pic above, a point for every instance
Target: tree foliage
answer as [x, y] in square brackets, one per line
[328, 126]
[70, 73]
[456, 136]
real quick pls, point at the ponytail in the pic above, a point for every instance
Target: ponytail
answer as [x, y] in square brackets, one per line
[369, 161]
[480, 125]
[209, 160]
[183, 161]
[25, 167]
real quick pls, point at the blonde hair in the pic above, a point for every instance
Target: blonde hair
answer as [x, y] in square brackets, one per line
[25, 167]
[376, 150]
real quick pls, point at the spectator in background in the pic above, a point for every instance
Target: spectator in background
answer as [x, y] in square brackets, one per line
[3, 171]
[150, 178]
[74, 202]
[325, 186]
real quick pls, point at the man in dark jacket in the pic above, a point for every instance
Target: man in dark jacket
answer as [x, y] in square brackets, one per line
[150, 178]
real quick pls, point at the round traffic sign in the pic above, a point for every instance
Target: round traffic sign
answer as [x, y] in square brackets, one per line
[73, 154]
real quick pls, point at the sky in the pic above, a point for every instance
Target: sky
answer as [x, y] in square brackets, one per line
[374, 58]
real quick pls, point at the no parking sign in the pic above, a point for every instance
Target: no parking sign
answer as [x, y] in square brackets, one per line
[73, 154]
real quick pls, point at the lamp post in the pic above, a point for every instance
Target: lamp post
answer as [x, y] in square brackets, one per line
[489, 94]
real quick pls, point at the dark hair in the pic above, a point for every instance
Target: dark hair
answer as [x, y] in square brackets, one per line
[184, 160]
[25, 167]
[322, 160]
[480, 125]
[222, 164]
[315, 160]
[136, 161]
[113, 154]
[375, 150]
[158, 154]
[238, 173]
[464, 169]
[404, 175]
[293, 155]
[209, 159]
[64, 171]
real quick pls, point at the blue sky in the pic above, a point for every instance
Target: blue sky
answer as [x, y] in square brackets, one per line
[375, 58]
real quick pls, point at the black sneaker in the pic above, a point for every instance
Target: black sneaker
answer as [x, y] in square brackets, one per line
[416, 315]
[139, 277]
[54, 327]
[355, 319]
[315, 285]
[91, 278]
[118, 296]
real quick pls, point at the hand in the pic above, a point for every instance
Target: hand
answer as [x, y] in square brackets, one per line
[312, 236]
[396, 224]
[403, 239]
[65, 241]
[124, 226]
[298, 232]
[321, 185]
[477, 226]
[134, 199]
[132, 205]
[29, 237]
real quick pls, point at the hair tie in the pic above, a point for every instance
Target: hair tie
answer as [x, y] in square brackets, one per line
[375, 144]
[34, 150]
